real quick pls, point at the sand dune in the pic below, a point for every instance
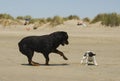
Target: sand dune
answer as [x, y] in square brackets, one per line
[105, 42]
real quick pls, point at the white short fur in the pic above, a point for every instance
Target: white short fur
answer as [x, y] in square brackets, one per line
[89, 59]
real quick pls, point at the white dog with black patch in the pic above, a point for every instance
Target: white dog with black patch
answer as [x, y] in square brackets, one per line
[88, 58]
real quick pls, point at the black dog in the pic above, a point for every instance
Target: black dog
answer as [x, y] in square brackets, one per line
[45, 44]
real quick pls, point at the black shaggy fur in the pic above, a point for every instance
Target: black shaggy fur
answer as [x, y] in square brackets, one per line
[44, 44]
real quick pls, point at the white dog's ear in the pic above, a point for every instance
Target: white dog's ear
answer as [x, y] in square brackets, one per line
[85, 54]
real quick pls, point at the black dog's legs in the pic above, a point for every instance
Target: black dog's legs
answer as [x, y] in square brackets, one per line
[29, 56]
[60, 53]
[47, 58]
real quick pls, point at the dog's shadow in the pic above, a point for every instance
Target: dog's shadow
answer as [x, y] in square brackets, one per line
[64, 64]
[91, 64]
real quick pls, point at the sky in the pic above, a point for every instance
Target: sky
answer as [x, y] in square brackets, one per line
[64, 8]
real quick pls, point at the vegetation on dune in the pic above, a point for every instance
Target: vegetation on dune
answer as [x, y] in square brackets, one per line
[56, 20]
[110, 19]
[106, 19]
[86, 19]
[6, 16]
[7, 20]
[71, 17]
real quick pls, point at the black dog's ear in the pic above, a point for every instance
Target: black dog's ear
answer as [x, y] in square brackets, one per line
[61, 35]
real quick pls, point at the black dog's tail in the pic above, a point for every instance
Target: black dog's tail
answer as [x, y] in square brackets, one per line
[22, 48]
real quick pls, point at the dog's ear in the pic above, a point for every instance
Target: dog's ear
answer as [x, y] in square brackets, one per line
[91, 54]
[85, 54]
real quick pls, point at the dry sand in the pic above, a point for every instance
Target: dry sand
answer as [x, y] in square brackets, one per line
[105, 42]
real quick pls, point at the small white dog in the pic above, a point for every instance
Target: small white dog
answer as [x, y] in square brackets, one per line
[89, 57]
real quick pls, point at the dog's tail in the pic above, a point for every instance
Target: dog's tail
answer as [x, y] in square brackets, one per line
[22, 48]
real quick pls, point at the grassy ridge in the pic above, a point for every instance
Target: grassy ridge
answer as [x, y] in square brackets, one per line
[107, 19]
[111, 19]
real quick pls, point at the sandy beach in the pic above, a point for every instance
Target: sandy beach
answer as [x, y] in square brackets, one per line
[104, 41]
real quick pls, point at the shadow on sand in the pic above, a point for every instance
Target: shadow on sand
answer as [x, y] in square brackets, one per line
[64, 64]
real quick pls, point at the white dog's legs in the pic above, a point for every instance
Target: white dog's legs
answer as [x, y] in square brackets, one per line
[86, 61]
[83, 59]
[94, 61]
